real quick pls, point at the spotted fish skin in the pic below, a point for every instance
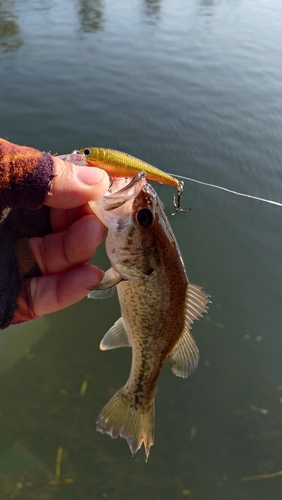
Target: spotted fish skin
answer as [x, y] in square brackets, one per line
[158, 306]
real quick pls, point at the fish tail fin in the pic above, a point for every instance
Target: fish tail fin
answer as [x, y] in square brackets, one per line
[120, 417]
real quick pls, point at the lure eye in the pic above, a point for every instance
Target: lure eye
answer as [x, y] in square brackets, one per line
[87, 152]
[145, 217]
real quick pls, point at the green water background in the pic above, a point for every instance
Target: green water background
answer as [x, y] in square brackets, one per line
[195, 89]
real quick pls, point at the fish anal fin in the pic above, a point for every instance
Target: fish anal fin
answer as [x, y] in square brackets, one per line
[121, 418]
[196, 302]
[106, 287]
[115, 337]
[184, 357]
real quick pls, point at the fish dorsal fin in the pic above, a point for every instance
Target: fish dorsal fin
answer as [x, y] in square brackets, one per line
[115, 337]
[196, 302]
[106, 287]
[184, 357]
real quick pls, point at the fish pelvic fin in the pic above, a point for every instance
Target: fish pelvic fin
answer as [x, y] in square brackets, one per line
[120, 417]
[115, 337]
[184, 357]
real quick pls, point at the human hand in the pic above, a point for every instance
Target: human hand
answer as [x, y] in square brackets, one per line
[77, 232]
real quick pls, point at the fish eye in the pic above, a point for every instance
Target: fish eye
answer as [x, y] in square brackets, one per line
[87, 152]
[145, 217]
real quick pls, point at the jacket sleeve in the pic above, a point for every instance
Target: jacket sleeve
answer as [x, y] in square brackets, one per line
[25, 182]
[25, 176]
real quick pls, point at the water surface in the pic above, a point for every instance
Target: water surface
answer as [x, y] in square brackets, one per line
[194, 89]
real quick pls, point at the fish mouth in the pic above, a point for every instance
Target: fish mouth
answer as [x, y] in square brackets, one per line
[133, 181]
[126, 193]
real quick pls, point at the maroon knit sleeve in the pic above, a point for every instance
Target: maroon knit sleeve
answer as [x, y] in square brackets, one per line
[27, 268]
[25, 176]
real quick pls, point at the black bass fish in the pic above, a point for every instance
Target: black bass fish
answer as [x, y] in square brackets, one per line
[158, 306]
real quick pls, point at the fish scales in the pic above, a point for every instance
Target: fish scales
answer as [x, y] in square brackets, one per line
[158, 306]
[147, 329]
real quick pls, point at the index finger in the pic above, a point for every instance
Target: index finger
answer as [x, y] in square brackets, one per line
[61, 219]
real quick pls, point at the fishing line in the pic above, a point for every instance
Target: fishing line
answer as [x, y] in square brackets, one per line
[229, 190]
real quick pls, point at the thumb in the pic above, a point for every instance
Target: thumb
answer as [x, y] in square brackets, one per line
[73, 186]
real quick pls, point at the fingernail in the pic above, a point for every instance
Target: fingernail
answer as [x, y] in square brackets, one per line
[90, 175]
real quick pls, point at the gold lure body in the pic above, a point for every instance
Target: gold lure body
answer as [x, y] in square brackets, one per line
[118, 164]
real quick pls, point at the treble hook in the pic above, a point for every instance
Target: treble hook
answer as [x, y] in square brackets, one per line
[177, 203]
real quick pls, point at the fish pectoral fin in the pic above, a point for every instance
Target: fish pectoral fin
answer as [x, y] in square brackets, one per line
[122, 418]
[101, 294]
[115, 337]
[196, 302]
[106, 287]
[184, 357]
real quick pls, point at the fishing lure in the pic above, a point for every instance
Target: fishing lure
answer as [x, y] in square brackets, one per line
[118, 164]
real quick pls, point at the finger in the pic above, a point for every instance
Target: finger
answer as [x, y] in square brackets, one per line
[56, 253]
[52, 293]
[61, 219]
[73, 186]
